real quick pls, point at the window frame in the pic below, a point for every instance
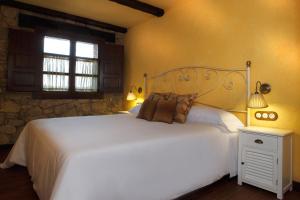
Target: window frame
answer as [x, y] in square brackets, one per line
[71, 93]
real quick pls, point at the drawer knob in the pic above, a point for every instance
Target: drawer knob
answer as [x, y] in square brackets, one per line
[258, 141]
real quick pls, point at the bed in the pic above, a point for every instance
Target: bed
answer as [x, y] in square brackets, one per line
[120, 157]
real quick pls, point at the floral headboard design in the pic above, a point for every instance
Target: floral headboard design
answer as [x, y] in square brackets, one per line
[225, 88]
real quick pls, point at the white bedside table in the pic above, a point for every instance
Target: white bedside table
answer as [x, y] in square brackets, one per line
[265, 159]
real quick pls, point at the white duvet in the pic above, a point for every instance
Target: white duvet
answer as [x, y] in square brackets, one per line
[119, 157]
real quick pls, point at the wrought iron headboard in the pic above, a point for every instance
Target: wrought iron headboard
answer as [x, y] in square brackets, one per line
[215, 86]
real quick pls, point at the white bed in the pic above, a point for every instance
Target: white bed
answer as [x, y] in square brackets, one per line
[120, 157]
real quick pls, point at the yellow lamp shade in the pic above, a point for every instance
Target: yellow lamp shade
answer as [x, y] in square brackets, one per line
[257, 100]
[131, 96]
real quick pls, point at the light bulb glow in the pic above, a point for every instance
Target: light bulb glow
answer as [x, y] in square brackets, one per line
[258, 115]
[265, 115]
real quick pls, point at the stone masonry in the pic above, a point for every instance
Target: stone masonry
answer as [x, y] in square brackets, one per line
[16, 109]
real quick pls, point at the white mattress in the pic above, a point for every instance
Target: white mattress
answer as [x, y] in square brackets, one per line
[119, 157]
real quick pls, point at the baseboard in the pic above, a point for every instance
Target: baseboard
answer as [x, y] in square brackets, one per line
[296, 186]
[6, 146]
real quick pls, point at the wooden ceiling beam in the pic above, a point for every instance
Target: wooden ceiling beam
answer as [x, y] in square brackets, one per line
[63, 15]
[141, 6]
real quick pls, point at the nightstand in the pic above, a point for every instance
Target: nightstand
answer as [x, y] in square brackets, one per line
[123, 112]
[265, 159]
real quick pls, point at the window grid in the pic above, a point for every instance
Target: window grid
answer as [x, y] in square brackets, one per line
[85, 80]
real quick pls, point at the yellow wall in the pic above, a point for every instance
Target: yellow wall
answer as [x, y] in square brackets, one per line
[227, 33]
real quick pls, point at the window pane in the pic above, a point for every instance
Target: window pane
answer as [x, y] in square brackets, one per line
[55, 82]
[56, 64]
[86, 50]
[86, 84]
[86, 67]
[56, 45]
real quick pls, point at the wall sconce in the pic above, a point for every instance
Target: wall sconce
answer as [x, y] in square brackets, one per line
[257, 99]
[131, 96]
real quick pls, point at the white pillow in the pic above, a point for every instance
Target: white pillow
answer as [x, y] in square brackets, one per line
[135, 109]
[206, 114]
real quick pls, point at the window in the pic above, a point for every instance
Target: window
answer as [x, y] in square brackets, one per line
[55, 64]
[86, 69]
[68, 70]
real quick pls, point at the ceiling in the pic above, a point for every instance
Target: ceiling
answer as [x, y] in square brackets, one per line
[102, 10]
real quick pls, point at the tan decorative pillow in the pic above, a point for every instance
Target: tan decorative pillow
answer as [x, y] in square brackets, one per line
[184, 104]
[147, 109]
[165, 111]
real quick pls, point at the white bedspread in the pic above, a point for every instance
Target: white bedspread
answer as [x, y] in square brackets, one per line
[119, 157]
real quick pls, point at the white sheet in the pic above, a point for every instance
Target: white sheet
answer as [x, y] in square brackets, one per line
[119, 157]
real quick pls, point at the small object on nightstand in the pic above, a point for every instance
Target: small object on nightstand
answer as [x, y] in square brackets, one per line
[265, 159]
[123, 112]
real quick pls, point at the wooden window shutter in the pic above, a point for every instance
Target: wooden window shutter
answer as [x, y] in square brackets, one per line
[24, 60]
[111, 68]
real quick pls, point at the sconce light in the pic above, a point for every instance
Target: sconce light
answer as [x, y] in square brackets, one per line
[257, 99]
[131, 96]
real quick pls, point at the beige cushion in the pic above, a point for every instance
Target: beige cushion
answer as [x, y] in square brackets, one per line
[147, 109]
[165, 111]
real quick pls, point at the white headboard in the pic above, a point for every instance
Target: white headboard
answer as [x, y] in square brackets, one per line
[225, 88]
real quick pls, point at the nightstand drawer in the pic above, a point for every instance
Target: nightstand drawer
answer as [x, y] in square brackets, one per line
[257, 141]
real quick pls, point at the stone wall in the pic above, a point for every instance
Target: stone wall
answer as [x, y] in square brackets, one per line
[16, 109]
